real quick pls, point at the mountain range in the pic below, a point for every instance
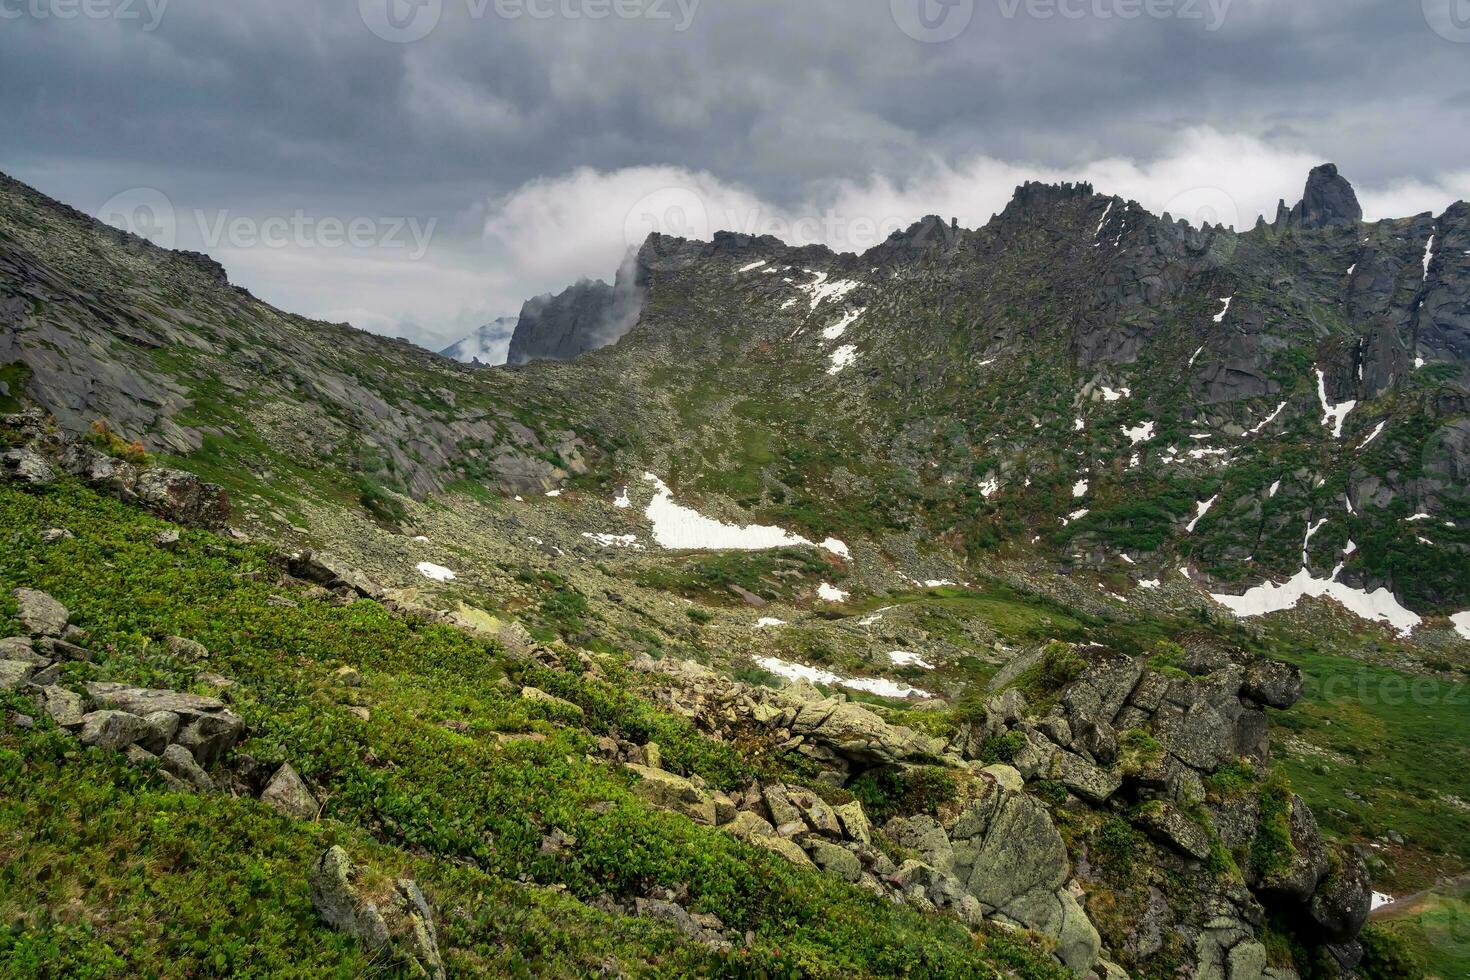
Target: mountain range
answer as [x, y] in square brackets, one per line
[1007, 577]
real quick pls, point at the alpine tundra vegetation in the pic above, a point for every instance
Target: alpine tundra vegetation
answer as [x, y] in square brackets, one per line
[1080, 595]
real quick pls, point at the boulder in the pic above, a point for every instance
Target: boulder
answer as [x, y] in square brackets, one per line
[1010, 856]
[1273, 683]
[666, 791]
[21, 649]
[40, 614]
[27, 466]
[187, 650]
[112, 730]
[539, 696]
[788, 849]
[332, 572]
[210, 736]
[1343, 899]
[1091, 783]
[855, 823]
[1006, 776]
[66, 708]
[177, 761]
[747, 824]
[857, 734]
[834, 859]
[393, 923]
[162, 727]
[705, 929]
[15, 673]
[180, 497]
[288, 795]
[1298, 872]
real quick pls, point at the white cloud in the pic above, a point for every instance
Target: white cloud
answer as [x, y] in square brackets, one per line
[552, 231]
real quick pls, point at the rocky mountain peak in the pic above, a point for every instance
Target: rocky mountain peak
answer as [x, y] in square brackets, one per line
[1328, 200]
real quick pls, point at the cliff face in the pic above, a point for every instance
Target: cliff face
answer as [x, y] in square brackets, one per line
[586, 316]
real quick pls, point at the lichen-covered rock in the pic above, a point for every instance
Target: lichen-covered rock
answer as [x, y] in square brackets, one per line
[287, 794]
[668, 791]
[177, 761]
[1343, 899]
[112, 730]
[394, 922]
[14, 673]
[206, 727]
[1166, 824]
[834, 859]
[40, 614]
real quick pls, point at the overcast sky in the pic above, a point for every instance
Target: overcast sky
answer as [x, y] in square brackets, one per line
[418, 167]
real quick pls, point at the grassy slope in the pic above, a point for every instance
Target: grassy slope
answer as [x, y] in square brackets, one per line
[107, 874]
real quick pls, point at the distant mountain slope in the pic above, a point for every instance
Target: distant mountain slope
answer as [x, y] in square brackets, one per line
[100, 324]
[1118, 391]
[489, 345]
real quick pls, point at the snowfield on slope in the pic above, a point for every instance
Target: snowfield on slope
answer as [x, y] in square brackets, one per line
[873, 685]
[1379, 605]
[678, 527]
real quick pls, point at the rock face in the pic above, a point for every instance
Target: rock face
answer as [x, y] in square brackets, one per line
[587, 315]
[1329, 200]
[396, 923]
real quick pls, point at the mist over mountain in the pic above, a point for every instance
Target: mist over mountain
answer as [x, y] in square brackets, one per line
[489, 345]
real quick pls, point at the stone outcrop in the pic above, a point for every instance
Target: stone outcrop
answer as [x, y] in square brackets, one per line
[393, 921]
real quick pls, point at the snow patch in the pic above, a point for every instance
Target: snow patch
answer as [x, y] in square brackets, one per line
[1200, 510]
[615, 540]
[765, 622]
[438, 573]
[1220, 317]
[989, 487]
[873, 685]
[1378, 606]
[1428, 256]
[553, 493]
[836, 547]
[1461, 622]
[903, 658]
[1196, 354]
[1150, 583]
[676, 526]
[1079, 489]
[621, 501]
[1374, 434]
[820, 290]
[1380, 900]
[1333, 414]
[1269, 419]
[1274, 487]
[752, 267]
[1140, 433]
[1113, 395]
[831, 593]
[841, 358]
[837, 329]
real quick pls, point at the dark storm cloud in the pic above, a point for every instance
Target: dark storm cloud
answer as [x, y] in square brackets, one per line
[264, 104]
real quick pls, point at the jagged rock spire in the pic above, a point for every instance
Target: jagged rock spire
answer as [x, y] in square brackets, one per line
[1329, 200]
